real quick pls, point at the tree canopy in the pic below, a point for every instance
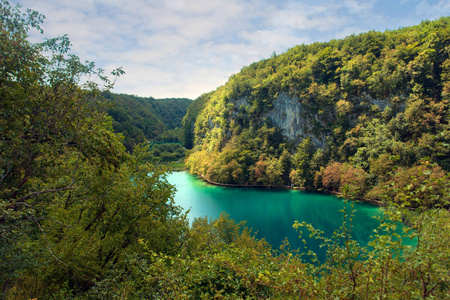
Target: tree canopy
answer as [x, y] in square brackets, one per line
[367, 106]
[74, 204]
[82, 218]
[146, 119]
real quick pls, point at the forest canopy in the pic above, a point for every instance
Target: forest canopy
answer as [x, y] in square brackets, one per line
[74, 204]
[364, 112]
[82, 218]
[146, 119]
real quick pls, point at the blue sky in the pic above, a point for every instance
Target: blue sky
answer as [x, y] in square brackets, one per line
[184, 48]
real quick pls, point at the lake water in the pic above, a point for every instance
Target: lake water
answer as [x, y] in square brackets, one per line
[271, 213]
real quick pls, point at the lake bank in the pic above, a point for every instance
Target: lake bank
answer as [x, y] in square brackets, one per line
[338, 194]
[272, 212]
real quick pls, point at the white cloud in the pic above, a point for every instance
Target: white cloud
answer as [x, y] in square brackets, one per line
[185, 48]
[299, 16]
[433, 10]
[358, 7]
[346, 31]
[263, 42]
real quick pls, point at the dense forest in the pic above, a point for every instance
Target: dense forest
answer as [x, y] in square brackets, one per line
[83, 218]
[146, 119]
[367, 113]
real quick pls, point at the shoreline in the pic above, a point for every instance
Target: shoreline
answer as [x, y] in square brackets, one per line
[284, 187]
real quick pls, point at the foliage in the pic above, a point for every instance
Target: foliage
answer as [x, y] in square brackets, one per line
[222, 260]
[370, 105]
[73, 203]
[188, 122]
[166, 152]
[81, 218]
[339, 177]
[146, 119]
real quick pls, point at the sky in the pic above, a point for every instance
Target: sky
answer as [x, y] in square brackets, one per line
[184, 48]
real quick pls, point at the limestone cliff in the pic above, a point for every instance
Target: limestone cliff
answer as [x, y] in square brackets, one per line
[295, 120]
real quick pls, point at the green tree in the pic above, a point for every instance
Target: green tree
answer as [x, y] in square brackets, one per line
[73, 203]
[274, 172]
[286, 165]
[303, 174]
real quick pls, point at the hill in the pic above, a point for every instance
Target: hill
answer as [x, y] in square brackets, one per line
[359, 112]
[81, 218]
[140, 119]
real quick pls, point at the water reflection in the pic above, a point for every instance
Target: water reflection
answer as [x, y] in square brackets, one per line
[271, 213]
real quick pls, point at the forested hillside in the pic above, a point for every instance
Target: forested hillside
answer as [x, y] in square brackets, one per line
[74, 205]
[82, 218]
[188, 122]
[364, 112]
[140, 119]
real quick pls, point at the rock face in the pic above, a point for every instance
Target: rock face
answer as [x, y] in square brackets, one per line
[286, 114]
[293, 118]
[298, 121]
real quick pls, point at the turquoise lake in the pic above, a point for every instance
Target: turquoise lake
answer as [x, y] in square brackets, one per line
[270, 212]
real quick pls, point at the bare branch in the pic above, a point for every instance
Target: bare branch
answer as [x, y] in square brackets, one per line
[48, 243]
[60, 223]
[8, 170]
[35, 194]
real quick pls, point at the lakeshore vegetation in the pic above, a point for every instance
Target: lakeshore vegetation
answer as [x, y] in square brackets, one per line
[372, 117]
[84, 217]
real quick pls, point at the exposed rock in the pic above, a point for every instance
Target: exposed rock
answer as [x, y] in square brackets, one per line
[241, 101]
[293, 118]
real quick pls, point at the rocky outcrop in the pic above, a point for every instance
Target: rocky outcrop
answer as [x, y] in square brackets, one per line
[290, 115]
[297, 121]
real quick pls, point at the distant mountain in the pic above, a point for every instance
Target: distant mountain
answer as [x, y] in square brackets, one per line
[361, 112]
[140, 119]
